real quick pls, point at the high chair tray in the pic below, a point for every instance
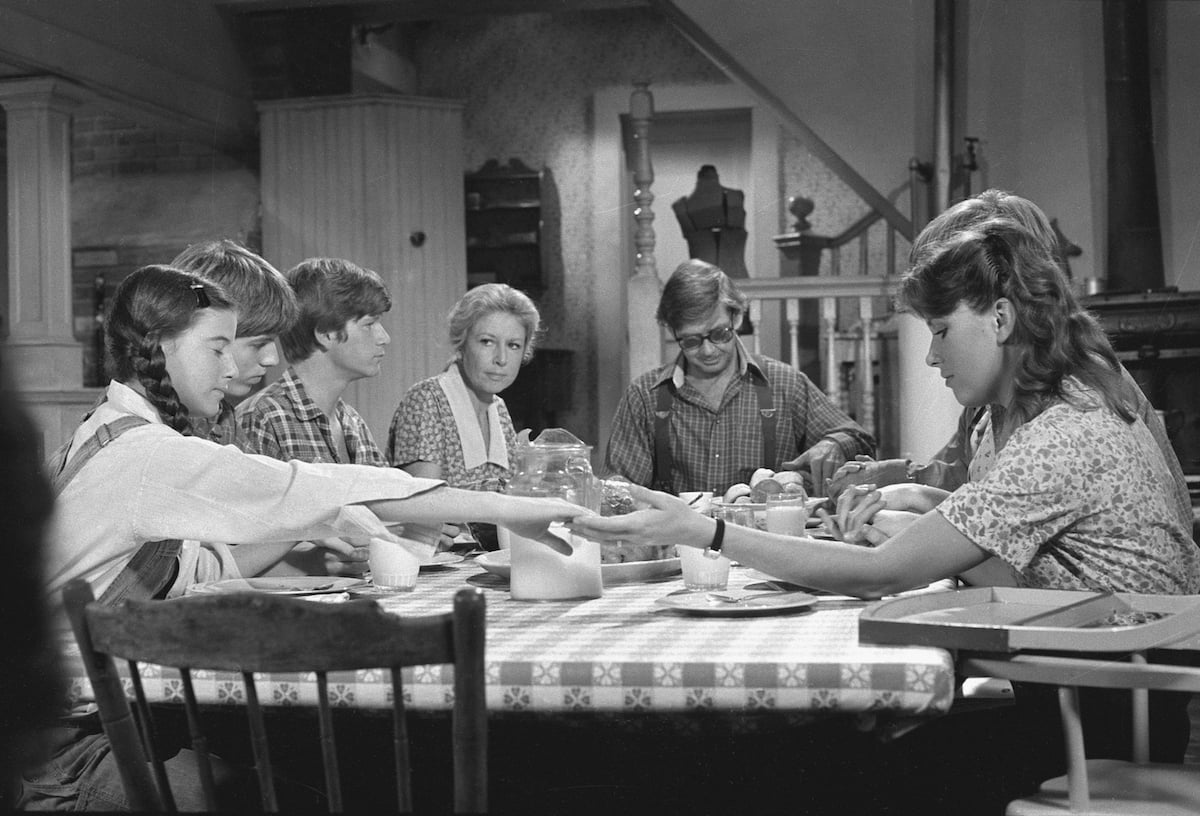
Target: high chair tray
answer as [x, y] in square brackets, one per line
[1007, 619]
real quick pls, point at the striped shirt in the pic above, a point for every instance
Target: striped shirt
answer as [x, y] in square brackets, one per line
[715, 448]
[281, 421]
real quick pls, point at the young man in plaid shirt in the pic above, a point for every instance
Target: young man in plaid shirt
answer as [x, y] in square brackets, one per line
[337, 339]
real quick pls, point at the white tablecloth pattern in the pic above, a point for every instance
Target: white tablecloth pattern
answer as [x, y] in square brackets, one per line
[620, 653]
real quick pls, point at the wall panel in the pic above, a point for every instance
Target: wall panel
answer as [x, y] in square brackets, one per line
[358, 178]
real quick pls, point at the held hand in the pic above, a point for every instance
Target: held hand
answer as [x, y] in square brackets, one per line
[532, 517]
[863, 471]
[856, 506]
[344, 558]
[821, 460]
[665, 520]
[448, 534]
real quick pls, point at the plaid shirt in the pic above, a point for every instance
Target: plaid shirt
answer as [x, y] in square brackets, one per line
[282, 422]
[221, 429]
[713, 449]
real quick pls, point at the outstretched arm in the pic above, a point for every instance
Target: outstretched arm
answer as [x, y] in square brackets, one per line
[927, 550]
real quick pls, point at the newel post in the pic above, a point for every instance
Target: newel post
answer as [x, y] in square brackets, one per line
[645, 340]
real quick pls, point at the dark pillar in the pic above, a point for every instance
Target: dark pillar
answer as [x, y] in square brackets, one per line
[1134, 239]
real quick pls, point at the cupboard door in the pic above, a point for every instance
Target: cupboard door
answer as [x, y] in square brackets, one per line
[376, 180]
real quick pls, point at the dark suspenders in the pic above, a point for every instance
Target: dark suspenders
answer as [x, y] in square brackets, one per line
[153, 566]
[663, 460]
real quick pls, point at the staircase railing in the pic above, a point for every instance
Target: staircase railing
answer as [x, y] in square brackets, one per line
[853, 308]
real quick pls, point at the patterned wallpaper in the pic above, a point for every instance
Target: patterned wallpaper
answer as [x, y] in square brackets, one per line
[836, 207]
[527, 81]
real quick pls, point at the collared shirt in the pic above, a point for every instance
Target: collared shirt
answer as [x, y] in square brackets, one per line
[283, 422]
[427, 428]
[153, 483]
[221, 429]
[715, 448]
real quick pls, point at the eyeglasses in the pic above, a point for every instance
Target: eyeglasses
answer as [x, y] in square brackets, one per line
[718, 337]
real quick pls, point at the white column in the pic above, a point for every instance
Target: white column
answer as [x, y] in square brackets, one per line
[928, 410]
[42, 349]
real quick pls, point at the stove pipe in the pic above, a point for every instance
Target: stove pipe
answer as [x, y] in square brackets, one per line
[1135, 260]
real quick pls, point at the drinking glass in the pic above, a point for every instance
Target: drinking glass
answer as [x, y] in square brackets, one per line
[701, 571]
[786, 514]
[393, 565]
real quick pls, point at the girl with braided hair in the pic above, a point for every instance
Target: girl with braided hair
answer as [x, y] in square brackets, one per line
[151, 314]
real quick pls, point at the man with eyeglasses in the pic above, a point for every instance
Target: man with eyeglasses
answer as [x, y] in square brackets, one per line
[716, 414]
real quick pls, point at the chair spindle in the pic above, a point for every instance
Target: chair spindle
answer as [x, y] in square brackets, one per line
[258, 742]
[333, 781]
[199, 741]
[400, 743]
[145, 720]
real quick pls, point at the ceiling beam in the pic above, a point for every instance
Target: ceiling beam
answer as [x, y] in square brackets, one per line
[418, 10]
[172, 65]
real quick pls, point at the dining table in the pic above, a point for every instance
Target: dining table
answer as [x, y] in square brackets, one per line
[650, 697]
[625, 651]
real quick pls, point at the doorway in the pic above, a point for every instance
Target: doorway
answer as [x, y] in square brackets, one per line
[682, 142]
[752, 168]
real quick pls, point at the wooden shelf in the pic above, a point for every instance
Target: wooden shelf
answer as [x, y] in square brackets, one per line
[504, 226]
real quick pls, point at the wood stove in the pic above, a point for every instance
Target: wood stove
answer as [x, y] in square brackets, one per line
[1156, 334]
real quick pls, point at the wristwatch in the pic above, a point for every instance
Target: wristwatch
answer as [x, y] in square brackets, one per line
[718, 540]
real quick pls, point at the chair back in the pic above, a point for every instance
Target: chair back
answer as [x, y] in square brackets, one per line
[252, 632]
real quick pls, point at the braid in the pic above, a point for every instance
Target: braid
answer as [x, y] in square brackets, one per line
[150, 367]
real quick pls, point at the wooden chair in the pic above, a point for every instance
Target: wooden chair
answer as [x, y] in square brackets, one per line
[1103, 786]
[249, 632]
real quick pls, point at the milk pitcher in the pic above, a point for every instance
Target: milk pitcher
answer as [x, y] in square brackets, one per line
[556, 464]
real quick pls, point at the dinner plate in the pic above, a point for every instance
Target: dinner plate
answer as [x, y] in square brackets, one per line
[442, 559]
[750, 604]
[282, 585]
[499, 563]
[629, 571]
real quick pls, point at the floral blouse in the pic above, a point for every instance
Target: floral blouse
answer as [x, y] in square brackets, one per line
[1075, 501]
[424, 430]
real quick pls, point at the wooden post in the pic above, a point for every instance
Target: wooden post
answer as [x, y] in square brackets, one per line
[645, 338]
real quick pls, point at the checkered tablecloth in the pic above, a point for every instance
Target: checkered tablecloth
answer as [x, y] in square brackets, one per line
[621, 652]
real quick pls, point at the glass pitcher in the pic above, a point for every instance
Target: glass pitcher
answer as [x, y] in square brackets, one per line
[556, 464]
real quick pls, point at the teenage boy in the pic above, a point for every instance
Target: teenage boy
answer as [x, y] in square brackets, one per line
[337, 339]
[266, 308]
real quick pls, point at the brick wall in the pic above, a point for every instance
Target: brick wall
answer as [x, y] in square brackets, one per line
[106, 146]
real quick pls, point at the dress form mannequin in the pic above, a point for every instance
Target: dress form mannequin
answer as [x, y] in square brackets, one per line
[713, 220]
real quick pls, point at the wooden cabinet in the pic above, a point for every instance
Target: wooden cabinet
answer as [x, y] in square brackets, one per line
[375, 179]
[504, 226]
